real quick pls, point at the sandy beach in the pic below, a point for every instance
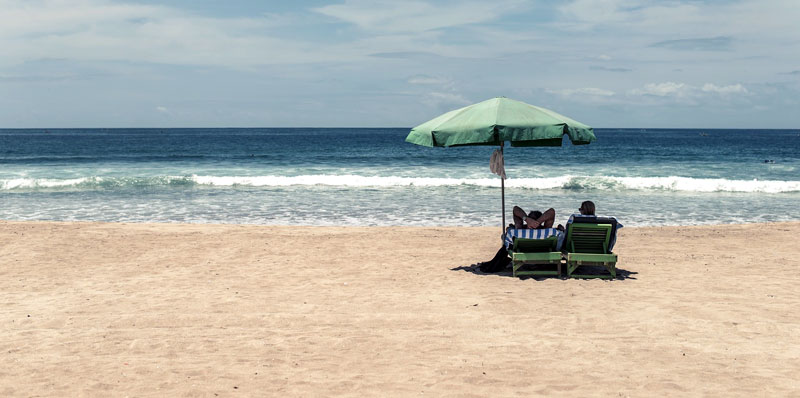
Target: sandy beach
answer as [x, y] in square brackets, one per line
[105, 309]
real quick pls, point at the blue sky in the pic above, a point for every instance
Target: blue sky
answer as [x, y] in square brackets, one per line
[358, 63]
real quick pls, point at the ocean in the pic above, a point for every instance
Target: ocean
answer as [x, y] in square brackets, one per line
[371, 176]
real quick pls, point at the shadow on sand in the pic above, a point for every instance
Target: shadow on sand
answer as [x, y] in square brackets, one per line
[622, 274]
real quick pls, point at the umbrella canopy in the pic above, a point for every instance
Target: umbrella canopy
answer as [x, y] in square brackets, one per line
[499, 120]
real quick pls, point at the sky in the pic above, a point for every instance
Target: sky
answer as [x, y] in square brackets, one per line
[375, 63]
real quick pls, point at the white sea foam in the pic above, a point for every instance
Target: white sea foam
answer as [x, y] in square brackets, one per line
[28, 183]
[677, 184]
[342, 180]
[684, 184]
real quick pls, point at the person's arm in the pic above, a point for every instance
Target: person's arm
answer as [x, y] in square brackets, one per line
[519, 216]
[564, 228]
[546, 219]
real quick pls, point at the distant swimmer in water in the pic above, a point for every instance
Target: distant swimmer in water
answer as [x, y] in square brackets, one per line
[769, 161]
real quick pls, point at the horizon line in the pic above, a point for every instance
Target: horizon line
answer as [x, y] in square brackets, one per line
[371, 127]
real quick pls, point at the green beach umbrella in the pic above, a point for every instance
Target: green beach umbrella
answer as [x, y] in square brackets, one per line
[497, 121]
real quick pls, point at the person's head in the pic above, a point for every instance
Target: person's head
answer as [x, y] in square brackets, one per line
[587, 208]
[535, 214]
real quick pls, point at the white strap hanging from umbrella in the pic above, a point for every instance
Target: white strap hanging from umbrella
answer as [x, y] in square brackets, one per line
[496, 164]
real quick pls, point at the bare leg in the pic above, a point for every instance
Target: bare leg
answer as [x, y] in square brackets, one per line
[519, 216]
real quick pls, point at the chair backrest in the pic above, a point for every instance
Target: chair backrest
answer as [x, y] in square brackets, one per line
[588, 238]
[522, 245]
[582, 219]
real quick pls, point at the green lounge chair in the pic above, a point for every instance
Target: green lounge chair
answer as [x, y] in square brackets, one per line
[535, 252]
[586, 244]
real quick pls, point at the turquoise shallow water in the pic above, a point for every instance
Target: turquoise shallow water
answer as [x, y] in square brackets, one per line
[372, 177]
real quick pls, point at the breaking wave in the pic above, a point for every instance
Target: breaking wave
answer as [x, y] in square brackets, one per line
[677, 184]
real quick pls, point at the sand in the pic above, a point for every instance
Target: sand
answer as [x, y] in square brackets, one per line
[98, 309]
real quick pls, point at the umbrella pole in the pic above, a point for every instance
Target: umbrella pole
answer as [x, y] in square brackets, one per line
[503, 194]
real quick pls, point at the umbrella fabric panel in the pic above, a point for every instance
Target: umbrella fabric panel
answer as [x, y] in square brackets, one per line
[470, 125]
[420, 138]
[523, 124]
[421, 135]
[512, 113]
[580, 136]
[529, 136]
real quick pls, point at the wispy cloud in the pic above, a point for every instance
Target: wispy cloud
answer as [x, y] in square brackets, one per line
[101, 30]
[404, 55]
[41, 78]
[724, 90]
[413, 16]
[430, 80]
[445, 101]
[582, 92]
[686, 91]
[607, 69]
[721, 43]
[662, 89]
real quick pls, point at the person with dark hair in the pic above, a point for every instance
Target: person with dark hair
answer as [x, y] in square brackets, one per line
[533, 220]
[522, 220]
[587, 208]
[587, 215]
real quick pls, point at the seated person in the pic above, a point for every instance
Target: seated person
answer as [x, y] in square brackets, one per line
[533, 220]
[587, 209]
[587, 215]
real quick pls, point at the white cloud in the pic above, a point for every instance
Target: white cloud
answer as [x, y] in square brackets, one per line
[414, 16]
[686, 91]
[162, 109]
[643, 16]
[101, 30]
[724, 90]
[622, 27]
[441, 83]
[93, 30]
[426, 80]
[445, 101]
[586, 12]
[665, 89]
[580, 92]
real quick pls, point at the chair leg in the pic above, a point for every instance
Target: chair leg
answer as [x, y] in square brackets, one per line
[612, 269]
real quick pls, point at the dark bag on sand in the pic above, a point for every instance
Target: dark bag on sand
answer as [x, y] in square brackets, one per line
[498, 263]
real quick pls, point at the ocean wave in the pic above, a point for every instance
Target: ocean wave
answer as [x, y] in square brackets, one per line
[91, 183]
[602, 183]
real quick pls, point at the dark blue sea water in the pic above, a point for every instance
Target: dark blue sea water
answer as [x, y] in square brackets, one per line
[327, 176]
